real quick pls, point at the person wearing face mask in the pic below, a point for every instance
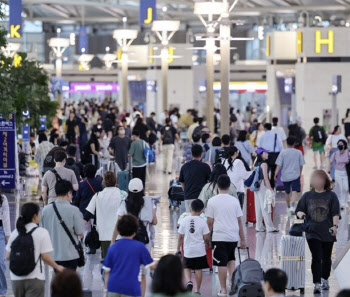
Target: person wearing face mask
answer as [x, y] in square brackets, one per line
[339, 159]
[120, 145]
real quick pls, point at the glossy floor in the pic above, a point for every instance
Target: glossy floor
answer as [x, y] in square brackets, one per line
[265, 247]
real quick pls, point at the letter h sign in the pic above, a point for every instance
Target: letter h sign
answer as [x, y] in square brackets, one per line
[319, 41]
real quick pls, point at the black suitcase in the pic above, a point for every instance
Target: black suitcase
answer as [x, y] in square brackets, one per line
[176, 194]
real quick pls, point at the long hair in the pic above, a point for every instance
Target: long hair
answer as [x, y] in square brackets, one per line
[28, 211]
[134, 203]
[230, 160]
[218, 170]
[324, 176]
[335, 129]
[167, 278]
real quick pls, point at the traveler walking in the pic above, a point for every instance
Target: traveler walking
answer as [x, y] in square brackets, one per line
[194, 175]
[91, 151]
[168, 136]
[318, 139]
[191, 129]
[259, 196]
[332, 146]
[5, 232]
[103, 208]
[340, 159]
[194, 237]
[238, 171]
[168, 278]
[272, 143]
[41, 152]
[120, 145]
[139, 162]
[290, 162]
[295, 130]
[187, 156]
[320, 209]
[224, 217]
[244, 146]
[279, 131]
[256, 135]
[275, 282]
[346, 123]
[58, 173]
[29, 280]
[123, 260]
[65, 252]
[71, 161]
[210, 189]
[211, 154]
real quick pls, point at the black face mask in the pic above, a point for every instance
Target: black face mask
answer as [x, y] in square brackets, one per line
[340, 147]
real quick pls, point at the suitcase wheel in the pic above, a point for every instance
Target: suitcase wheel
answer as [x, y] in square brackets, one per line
[302, 290]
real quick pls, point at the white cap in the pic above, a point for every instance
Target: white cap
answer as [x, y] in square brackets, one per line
[135, 185]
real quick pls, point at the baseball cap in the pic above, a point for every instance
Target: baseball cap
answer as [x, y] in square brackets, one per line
[260, 150]
[135, 185]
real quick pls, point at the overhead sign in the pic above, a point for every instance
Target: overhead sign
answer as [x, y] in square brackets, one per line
[83, 40]
[7, 152]
[42, 121]
[94, 87]
[148, 12]
[25, 132]
[15, 18]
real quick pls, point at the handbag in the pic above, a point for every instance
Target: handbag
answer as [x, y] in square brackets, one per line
[92, 239]
[299, 229]
[78, 247]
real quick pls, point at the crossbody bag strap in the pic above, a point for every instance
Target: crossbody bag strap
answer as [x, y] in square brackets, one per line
[92, 189]
[274, 145]
[63, 224]
[56, 174]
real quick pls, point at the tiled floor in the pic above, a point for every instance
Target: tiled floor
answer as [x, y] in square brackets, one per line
[264, 247]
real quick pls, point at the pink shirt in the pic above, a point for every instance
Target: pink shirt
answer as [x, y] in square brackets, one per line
[340, 159]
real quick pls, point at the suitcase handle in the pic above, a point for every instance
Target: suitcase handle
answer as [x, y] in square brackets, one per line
[239, 253]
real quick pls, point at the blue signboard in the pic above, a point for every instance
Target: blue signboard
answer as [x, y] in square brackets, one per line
[15, 18]
[25, 132]
[42, 121]
[148, 12]
[7, 152]
[83, 40]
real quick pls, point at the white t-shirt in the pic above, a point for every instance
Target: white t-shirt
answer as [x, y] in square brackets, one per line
[280, 132]
[194, 228]
[333, 140]
[106, 204]
[42, 245]
[237, 174]
[225, 210]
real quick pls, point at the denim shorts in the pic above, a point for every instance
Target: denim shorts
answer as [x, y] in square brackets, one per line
[293, 185]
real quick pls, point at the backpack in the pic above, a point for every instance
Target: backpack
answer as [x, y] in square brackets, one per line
[168, 137]
[318, 134]
[148, 152]
[49, 161]
[254, 180]
[22, 256]
[247, 277]
[142, 234]
[220, 156]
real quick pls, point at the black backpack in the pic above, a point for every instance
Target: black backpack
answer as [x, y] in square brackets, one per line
[142, 234]
[220, 156]
[318, 134]
[22, 256]
[168, 137]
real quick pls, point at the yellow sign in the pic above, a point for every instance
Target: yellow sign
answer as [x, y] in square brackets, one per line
[170, 54]
[151, 53]
[119, 54]
[299, 42]
[14, 31]
[319, 41]
[268, 46]
[17, 59]
[149, 16]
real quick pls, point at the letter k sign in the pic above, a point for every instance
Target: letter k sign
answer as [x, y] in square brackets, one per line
[14, 31]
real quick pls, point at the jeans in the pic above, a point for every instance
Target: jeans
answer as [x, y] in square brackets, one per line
[168, 153]
[333, 150]
[321, 259]
[3, 284]
[342, 184]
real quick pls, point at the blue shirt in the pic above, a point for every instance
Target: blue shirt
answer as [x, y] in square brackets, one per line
[124, 259]
[267, 142]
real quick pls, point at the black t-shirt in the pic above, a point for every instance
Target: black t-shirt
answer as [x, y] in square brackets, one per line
[121, 147]
[195, 174]
[71, 126]
[320, 208]
[168, 134]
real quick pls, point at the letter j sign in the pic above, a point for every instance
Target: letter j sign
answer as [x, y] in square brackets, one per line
[148, 11]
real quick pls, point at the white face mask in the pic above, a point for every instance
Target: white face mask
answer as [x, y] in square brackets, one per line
[121, 132]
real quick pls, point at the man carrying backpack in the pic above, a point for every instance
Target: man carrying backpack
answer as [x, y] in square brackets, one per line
[223, 153]
[59, 218]
[318, 139]
[167, 139]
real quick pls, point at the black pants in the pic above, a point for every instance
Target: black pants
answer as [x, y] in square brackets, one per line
[321, 259]
[139, 172]
[72, 264]
[272, 166]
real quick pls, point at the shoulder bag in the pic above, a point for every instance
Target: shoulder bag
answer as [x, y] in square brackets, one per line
[78, 247]
[92, 239]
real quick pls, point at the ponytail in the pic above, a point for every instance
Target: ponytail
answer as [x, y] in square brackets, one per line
[230, 160]
[28, 211]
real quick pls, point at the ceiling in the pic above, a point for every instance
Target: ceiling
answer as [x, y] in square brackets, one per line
[112, 11]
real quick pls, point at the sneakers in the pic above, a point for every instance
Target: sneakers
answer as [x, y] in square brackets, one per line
[318, 288]
[189, 287]
[291, 210]
[325, 284]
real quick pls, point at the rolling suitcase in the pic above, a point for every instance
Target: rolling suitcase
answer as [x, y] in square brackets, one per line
[250, 207]
[176, 194]
[210, 258]
[279, 184]
[293, 261]
[123, 178]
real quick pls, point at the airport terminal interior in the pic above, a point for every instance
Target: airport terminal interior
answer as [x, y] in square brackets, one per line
[174, 148]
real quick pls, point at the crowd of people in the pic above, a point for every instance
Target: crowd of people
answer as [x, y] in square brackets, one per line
[86, 206]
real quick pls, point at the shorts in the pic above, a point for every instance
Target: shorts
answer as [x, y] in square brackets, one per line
[293, 185]
[318, 147]
[196, 263]
[223, 252]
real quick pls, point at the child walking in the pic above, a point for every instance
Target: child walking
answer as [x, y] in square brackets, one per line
[194, 236]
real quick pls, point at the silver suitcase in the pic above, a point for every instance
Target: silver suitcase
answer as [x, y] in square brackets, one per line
[293, 261]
